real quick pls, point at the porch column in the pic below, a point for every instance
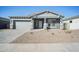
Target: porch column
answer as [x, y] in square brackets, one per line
[61, 24]
[14, 24]
[32, 24]
[45, 25]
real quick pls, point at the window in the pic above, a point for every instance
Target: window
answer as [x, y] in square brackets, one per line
[53, 24]
[70, 21]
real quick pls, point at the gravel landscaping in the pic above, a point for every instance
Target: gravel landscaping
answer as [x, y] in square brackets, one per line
[49, 36]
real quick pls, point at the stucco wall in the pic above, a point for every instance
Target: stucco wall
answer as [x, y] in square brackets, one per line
[47, 15]
[74, 24]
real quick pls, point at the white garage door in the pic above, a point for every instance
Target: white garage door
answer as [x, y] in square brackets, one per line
[74, 26]
[23, 25]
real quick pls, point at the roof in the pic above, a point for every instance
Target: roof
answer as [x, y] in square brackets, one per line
[4, 19]
[34, 14]
[39, 13]
[19, 17]
[71, 18]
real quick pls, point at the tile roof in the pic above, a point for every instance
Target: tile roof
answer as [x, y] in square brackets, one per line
[34, 14]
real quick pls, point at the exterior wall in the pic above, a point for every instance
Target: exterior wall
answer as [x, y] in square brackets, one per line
[66, 21]
[75, 20]
[46, 15]
[73, 25]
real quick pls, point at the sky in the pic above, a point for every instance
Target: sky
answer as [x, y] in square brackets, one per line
[67, 11]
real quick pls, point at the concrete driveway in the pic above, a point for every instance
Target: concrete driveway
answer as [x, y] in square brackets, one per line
[7, 35]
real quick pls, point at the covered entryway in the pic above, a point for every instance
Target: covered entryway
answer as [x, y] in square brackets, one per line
[38, 23]
[53, 23]
[22, 24]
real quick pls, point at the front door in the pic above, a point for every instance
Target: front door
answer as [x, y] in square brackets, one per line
[38, 23]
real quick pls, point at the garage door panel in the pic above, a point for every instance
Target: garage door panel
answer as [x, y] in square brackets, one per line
[74, 26]
[23, 25]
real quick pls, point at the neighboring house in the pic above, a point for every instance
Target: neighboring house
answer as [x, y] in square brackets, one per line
[40, 20]
[71, 22]
[4, 23]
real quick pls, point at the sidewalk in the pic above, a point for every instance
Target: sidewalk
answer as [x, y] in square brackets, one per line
[48, 47]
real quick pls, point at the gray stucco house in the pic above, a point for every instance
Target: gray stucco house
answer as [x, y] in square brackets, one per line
[40, 20]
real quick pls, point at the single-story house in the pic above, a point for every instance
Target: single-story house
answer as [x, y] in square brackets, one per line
[41, 20]
[4, 23]
[71, 22]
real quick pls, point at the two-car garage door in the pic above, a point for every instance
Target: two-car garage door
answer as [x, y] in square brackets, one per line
[22, 25]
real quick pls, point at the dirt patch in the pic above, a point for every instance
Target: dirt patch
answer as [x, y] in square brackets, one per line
[51, 36]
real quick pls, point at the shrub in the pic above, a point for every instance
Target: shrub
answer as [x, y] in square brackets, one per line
[31, 32]
[53, 33]
[68, 32]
